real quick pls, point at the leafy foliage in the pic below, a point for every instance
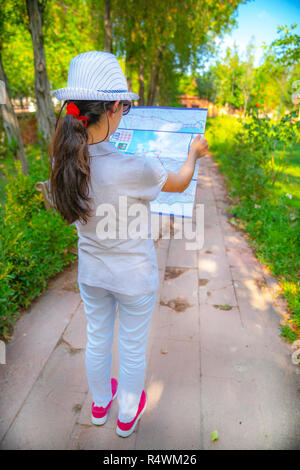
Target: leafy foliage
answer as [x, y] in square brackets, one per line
[34, 245]
[166, 35]
[254, 158]
[67, 26]
[236, 83]
[287, 46]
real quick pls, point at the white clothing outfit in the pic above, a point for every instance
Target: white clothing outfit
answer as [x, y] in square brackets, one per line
[135, 314]
[127, 266]
[122, 271]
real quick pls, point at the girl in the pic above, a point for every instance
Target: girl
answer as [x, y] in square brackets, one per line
[90, 178]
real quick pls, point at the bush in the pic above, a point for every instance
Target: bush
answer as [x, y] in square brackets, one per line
[34, 245]
[253, 156]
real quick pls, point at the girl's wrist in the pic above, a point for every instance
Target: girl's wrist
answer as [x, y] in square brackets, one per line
[192, 157]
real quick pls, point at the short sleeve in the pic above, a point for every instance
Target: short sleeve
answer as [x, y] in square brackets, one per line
[153, 178]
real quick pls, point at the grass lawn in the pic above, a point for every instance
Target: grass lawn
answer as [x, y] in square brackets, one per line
[272, 222]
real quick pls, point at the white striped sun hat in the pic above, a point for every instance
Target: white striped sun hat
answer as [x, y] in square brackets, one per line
[95, 75]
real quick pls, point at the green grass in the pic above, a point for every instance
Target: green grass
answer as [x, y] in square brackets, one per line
[271, 220]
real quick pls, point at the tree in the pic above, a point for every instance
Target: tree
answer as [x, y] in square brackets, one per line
[8, 11]
[159, 39]
[247, 77]
[107, 27]
[287, 47]
[228, 75]
[280, 70]
[157, 42]
[287, 55]
[206, 88]
[45, 112]
[69, 28]
[271, 84]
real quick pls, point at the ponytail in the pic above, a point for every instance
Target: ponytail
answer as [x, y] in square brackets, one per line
[70, 161]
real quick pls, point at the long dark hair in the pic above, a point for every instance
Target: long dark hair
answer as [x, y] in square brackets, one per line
[70, 160]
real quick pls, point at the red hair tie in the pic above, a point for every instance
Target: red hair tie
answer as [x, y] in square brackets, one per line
[74, 111]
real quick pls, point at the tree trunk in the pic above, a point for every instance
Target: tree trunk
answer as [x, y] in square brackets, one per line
[45, 112]
[107, 27]
[21, 102]
[10, 122]
[128, 70]
[141, 85]
[245, 107]
[129, 83]
[154, 79]
[281, 103]
[282, 84]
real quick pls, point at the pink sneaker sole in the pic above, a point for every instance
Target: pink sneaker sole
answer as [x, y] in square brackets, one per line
[123, 433]
[99, 421]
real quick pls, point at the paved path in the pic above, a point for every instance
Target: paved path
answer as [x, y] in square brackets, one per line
[209, 368]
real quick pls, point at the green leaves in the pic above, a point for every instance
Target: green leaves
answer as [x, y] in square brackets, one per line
[287, 46]
[34, 245]
[261, 165]
[184, 31]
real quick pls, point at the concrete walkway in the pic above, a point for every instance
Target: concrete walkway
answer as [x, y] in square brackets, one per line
[210, 367]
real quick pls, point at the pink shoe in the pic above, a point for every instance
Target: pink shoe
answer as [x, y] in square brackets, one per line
[99, 414]
[125, 429]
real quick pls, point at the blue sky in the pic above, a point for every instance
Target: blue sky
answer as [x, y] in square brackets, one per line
[260, 19]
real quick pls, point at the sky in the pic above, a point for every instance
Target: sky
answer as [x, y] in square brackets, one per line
[259, 19]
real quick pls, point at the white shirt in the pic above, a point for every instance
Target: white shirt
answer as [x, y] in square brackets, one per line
[127, 266]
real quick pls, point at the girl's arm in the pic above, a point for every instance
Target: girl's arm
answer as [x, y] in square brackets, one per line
[178, 182]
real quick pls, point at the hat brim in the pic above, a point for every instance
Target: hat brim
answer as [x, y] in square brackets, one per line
[84, 94]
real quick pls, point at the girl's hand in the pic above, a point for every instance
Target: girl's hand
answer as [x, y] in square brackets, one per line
[199, 147]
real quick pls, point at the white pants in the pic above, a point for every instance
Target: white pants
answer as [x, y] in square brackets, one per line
[135, 313]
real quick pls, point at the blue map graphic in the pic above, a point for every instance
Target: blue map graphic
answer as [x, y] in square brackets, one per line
[166, 134]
